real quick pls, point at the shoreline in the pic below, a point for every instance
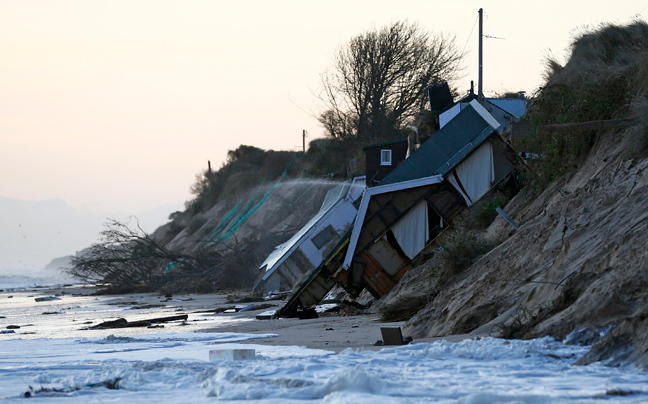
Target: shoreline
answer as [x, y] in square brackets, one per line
[75, 309]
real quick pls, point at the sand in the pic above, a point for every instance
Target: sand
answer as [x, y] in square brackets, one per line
[76, 309]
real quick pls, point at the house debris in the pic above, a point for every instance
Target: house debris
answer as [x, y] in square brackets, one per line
[307, 249]
[393, 336]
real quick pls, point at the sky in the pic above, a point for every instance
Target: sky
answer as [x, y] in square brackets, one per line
[115, 106]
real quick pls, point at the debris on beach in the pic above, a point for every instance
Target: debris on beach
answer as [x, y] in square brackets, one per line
[237, 309]
[307, 313]
[46, 299]
[217, 355]
[112, 384]
[277, 295]
[184, 299]
[327, 308]
[123, 323]
[246, 308]
[393, 336]
[147, 306]
[267, 315]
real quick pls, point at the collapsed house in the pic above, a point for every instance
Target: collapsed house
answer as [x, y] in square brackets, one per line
[414, 203]
[306, 250]
[397, 219]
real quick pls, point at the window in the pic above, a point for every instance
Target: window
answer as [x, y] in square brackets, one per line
[385, 157]
[324, 237]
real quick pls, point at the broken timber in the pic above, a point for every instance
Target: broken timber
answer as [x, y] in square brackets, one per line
[507, 218]
[590, 125]
[123, 323]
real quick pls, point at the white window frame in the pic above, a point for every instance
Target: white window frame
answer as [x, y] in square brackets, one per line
[383, 160]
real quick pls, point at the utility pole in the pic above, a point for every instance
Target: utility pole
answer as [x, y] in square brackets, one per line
[480, 92]
[304, 140]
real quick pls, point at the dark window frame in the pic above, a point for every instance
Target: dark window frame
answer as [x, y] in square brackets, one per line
[324, 237]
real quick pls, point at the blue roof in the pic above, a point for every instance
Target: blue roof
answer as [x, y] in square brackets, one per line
[514, 106]
[448, 147]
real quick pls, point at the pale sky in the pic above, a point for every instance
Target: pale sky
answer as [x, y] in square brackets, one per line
[116, 105]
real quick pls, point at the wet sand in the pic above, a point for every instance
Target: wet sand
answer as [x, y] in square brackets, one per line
[73, 310]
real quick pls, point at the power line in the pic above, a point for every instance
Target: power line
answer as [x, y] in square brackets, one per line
[463, 52]
[642, 10]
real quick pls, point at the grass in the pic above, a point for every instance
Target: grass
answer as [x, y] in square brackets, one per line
[460, 248]
[606, 77]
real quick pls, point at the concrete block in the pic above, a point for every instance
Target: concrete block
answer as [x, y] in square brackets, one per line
[266, 315]
[216, 355]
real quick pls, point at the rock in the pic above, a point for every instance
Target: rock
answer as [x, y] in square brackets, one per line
[585, 336]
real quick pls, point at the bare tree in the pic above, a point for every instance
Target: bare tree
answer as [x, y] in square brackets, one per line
[379, 78]
[126, 256]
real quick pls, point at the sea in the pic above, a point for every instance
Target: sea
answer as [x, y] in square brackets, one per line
[24, 279]
[50, 359]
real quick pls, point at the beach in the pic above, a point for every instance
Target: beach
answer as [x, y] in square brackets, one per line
[50, 350]
[74, 309]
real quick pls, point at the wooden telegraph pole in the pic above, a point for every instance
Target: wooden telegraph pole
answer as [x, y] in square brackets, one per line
[480, 92]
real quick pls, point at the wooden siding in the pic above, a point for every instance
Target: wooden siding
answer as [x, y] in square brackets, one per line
[374, 170]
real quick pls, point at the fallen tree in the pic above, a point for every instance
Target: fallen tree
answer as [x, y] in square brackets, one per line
[126, 257]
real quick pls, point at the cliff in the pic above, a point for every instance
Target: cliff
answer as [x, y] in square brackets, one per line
[578, 262]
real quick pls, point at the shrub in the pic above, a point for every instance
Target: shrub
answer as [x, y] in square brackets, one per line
[488, 212]
[246, 167]
[460, 248]
[196, 223]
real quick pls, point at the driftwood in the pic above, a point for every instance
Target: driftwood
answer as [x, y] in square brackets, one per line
[182, 317]
[583, 126]
[123, 323]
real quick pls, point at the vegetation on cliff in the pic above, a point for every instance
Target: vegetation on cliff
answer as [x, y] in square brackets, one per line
[606, 77]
